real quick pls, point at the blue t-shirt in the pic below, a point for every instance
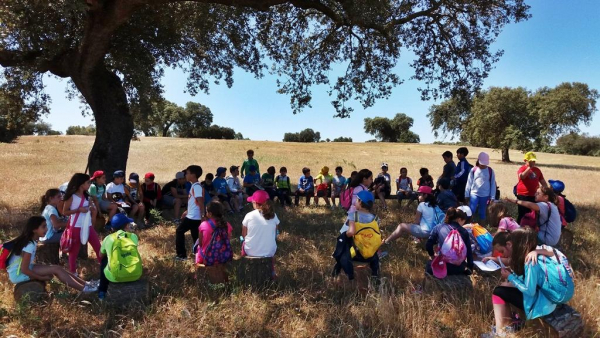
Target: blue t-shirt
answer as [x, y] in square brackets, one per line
[14, 264]
[306, 183]
[220, 185]
[252, 179]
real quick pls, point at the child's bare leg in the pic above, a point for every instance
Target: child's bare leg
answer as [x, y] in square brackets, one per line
[326, 198]
[401, 229]
[65, 277]
[177, 207]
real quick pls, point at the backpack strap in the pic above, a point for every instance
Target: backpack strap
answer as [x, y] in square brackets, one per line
[212, 224]
[355, 216]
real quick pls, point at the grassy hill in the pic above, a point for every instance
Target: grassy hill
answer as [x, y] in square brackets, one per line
[305, 302]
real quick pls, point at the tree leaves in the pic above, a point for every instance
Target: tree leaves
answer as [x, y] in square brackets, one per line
[394, 130]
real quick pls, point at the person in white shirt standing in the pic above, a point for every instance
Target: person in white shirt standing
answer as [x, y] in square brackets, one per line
[481, 186]
[194, 215]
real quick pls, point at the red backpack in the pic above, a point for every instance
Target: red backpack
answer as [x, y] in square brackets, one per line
[5, 252]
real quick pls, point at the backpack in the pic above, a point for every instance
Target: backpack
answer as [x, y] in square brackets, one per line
[570, 211]
[346, 198]
[5, 252]
[483, 238]
[563, 292]
[124, 261]
[218, 250]
[367, 238]
[454, 250]
[438, 215]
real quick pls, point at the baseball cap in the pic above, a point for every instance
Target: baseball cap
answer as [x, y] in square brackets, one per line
[252, 168]
[149, 176]
[438, 266]
[466, 209]
[119, 173]
[180, 174]
[530, 156]
[483, 158]
[259, 196]
[384, 165]
[221, 170]
[134, 178]
[119, 220]
[97, 173]
[557, 186]
[365, 196]
[425, 190]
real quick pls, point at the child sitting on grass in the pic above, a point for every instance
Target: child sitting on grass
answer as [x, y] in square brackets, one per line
[500, 218]
[361, 232]
[209, 188]
[383, 185]
[20, 266]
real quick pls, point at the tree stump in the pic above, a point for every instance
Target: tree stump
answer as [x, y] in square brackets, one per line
[215, 274]
[33, 291]
[255, 271]
[47, 253]
[123, 294]
[563, 322]
[452, 284]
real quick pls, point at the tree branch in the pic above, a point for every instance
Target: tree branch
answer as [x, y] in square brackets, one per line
[14, 58]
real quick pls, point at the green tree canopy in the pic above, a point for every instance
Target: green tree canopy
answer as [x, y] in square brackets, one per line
[513, 118]
[342, 139]
[82, 130]
[307, 135]
[394, 130]
[114, 52]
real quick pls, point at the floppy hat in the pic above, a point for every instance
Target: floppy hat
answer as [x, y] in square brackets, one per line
[466, 209]
[438, 266]
[365, 196]
[119, 220]
[259, 196]
[483, 158]
[425, 190]
[530, 156]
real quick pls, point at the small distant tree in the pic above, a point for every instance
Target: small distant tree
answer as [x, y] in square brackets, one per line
[239, 136]
[81, 130]
[327, 140]
[193, 120]
[342, 139]
[307, 136]
[40, 129]
[392, 130]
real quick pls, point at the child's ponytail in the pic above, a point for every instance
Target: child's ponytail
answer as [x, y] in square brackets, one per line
[267, 210]
[453, 214]
[46, 197]
[216, 210]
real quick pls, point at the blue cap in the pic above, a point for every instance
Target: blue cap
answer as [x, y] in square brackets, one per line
[365, 196]
[557, 186]
[119, 220]
[119, 173]
[221, 170]
[252, 168]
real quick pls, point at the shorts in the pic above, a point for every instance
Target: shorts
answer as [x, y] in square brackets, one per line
[104, 204]
[419, 231]
[323, 193]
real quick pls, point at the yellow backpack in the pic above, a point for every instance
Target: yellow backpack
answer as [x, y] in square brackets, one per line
[367, 238]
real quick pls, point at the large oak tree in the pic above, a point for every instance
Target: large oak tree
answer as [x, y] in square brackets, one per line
[114, 51]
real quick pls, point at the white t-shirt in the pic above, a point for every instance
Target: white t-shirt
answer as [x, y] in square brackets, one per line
[261, 234]
[112, 188]
[193, 207]
[427, 215]
[74, 206]
[234, 184]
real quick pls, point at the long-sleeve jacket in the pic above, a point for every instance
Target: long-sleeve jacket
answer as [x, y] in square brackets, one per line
[481, 183]
[461, 173]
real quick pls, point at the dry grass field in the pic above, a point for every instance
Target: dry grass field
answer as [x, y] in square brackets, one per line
[304, 301]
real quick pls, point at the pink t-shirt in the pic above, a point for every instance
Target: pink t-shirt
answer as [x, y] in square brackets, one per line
[508, 224]
[207, 232]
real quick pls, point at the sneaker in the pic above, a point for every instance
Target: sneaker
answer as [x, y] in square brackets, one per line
[101, 295]
[93, 282]
[180, 259]
[89, 288]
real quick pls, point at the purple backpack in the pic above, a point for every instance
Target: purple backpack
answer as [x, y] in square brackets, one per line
[218, 250]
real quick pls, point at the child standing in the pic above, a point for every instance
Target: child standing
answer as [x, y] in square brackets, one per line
[20, 265]
[481, 186]
[121, 225]
[449, 167]
[306, 187]
[404, 188]
[77, 206]
[324, 187]
[152, 194]
[249, 162]
[193, 215]
[339, 185]
[348, 242]
[55, 224]
[284, 188]
[461, 174]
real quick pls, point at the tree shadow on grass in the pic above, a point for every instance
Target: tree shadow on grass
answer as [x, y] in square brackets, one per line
[568, 166]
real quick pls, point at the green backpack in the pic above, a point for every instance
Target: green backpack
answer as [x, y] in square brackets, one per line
[124, 261]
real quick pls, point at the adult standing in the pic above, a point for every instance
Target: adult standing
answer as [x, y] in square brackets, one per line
[530, 178]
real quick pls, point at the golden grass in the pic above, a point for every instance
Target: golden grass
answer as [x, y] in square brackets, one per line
[303, 303]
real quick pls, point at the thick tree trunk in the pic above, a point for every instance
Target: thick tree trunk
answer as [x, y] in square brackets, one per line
[505, 155]
[105, 94]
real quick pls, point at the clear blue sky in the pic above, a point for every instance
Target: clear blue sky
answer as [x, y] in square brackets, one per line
[560, 43]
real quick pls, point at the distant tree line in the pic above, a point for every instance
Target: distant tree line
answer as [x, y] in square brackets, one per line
[307, 136]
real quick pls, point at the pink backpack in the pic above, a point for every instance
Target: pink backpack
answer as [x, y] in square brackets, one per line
[346, 198]
[453, 249]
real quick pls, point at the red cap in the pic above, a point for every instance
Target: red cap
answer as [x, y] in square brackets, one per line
[149, 176]
[97, 173]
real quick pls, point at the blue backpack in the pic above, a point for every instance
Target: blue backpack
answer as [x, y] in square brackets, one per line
[218, 250]
[570, 211]
[439, 215]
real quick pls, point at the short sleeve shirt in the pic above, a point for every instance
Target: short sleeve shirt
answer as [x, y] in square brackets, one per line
[404, 183]
[14, 264]
[508, 224]
[49, 210]
[220, 185]
[193, 208]
[449, 169]
[268, 180]
[261, 235]
[97, 191]
[427, 215]
[252, 179]
[339, 182]
[207, 231]
[112, 188]
[529, 185]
